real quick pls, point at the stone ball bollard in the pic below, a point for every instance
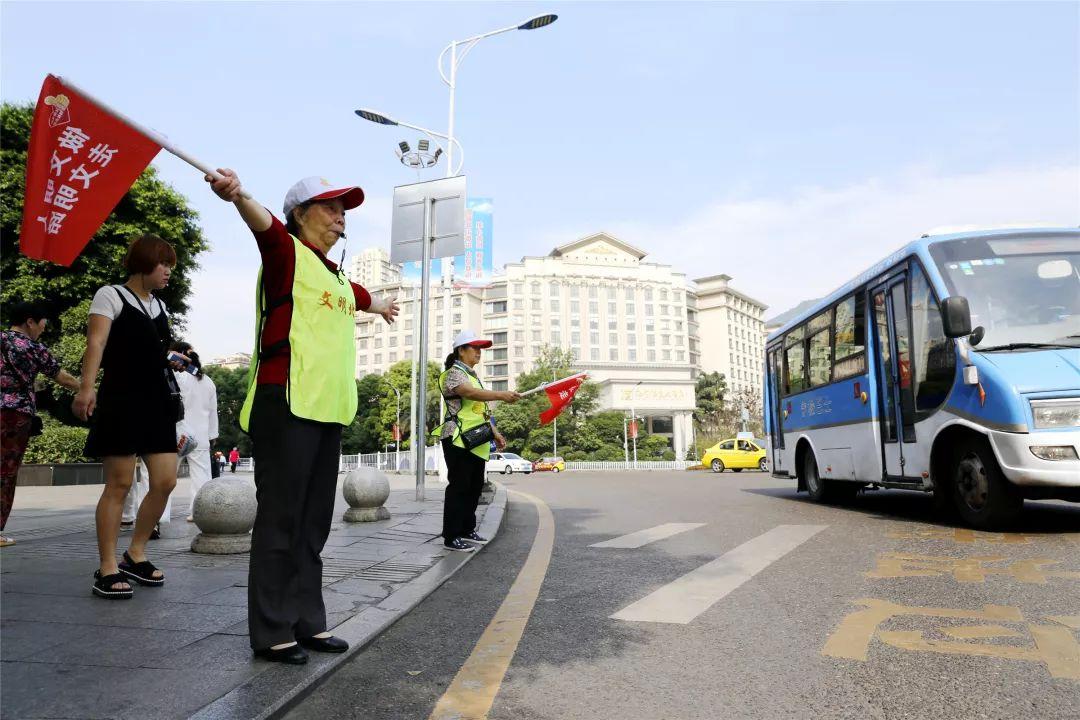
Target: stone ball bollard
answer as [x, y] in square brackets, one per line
[366, 489]
[224, 511]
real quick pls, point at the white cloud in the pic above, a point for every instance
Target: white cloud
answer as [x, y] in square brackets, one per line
[786, 248]
[781, 249]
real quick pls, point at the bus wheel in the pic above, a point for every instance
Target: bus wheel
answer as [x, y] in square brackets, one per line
[815, 486]
[717, 465]
[983, 497]
[827, 491]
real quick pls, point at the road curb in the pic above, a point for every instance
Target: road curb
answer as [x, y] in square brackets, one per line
[278, 688]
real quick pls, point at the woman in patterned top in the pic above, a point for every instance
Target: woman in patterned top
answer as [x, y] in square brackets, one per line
[21, 359]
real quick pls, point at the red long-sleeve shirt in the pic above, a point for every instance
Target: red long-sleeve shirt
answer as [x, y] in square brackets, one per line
[279, 265]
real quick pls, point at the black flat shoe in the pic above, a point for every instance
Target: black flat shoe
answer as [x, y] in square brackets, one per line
[292, 655]
[104, 586]
[141, 572]
[328, 644]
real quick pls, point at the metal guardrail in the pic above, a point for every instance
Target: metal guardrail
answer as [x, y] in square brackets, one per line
[631, 465]
[402, 462]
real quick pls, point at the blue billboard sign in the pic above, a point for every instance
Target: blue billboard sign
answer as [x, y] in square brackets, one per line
[475, 266]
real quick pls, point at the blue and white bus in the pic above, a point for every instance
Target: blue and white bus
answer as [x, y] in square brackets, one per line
[951, 367]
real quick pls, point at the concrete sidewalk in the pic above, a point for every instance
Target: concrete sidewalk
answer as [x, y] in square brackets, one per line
[182, 650]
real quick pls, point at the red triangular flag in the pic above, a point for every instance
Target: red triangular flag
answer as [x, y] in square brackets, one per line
[80, 163]
[560, 394]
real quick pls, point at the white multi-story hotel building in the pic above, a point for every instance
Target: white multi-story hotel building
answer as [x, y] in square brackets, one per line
[232, 362]
[372, 268]
[634, 326]
[732, 333]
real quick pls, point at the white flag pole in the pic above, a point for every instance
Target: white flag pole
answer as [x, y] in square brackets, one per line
[148, 132]
[541, 386]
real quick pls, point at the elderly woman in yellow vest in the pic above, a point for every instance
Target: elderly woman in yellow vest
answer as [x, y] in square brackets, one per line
[466, 438]
[302, 392]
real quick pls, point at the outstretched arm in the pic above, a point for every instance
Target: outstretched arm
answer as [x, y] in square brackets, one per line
[228, 188]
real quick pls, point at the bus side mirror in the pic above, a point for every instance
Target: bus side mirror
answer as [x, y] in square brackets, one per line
[956, 316]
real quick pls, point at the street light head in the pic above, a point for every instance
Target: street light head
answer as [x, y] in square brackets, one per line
[423, 145]
[376, 117]
[404, 146]
[538, 22]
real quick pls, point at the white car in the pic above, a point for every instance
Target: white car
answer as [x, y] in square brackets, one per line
[507, 463]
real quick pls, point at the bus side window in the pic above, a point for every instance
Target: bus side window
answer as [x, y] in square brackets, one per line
[850, 333]
[819, 349]
[794, 362]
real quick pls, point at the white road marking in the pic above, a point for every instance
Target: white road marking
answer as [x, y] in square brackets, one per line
[684, 599]
[644, 537]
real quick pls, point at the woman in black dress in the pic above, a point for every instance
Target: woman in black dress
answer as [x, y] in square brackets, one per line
[134, 413]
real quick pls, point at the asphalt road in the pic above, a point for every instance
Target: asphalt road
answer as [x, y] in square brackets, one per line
[764, 605]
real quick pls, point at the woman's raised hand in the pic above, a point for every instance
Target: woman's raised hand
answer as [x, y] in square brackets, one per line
[227, 186]
[388, 309]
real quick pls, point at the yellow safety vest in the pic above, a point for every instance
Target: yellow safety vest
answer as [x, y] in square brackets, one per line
[322, 344]
[472, 414]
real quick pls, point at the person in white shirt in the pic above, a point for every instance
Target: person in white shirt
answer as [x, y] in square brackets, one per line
[200, 418]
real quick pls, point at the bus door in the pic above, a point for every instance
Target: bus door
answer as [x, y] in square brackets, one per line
[895, 402]
[773, 360]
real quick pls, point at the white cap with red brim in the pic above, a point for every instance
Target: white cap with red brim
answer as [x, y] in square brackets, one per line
[319, 188]
[468, 337]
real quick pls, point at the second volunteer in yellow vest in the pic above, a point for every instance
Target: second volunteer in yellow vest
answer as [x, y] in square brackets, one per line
[466, 435]
[301, 393]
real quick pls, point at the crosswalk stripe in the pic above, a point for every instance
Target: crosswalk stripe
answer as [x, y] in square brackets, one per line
[644, 537]
[684, 599]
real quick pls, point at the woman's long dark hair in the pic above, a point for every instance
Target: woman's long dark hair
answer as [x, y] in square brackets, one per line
[185, 348]
[450, 360]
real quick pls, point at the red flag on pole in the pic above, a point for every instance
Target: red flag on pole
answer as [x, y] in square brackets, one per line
[81, 161]
[560, 394]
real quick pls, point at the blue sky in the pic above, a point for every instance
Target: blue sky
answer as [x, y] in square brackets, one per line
[718, 137]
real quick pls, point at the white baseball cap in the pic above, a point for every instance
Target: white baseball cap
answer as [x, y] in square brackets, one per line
[468, 337]
[319, 188]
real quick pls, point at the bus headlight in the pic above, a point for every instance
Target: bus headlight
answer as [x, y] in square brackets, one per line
[1049, 414]
[1054, 452]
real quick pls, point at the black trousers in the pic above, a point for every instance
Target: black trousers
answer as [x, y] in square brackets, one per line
[465, 473]
[296, 468]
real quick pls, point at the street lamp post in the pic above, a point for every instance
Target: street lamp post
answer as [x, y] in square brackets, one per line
[468, 44]
[633, 419]
[380, 118]
[397, 417]
[554, 428]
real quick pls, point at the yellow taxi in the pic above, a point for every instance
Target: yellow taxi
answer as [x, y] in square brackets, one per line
[554, 464]
[736, 454]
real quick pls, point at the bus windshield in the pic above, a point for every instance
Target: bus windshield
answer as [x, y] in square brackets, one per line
[1023, 292]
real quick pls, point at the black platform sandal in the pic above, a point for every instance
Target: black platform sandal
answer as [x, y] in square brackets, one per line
[141, 572]
[103, 586]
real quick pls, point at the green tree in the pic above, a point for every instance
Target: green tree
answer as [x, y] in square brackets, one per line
[232, 386]
[364, 435]
[150, 206]
[709, 412]
[520, 422]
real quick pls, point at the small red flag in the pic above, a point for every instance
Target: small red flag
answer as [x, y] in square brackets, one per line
[560, 394]
[80, 163]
